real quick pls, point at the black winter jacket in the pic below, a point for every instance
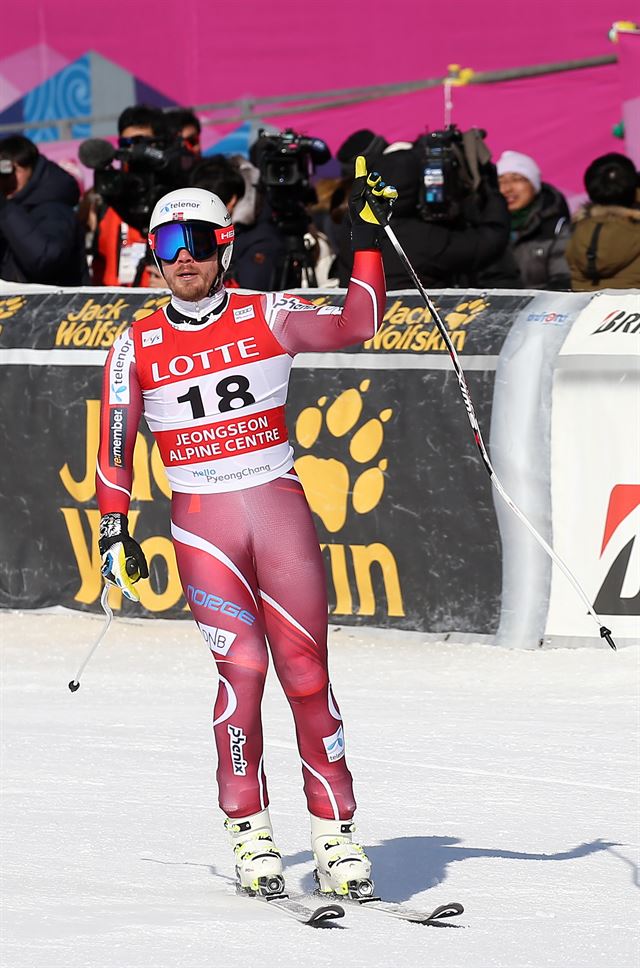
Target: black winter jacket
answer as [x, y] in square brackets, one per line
[474, 254]
[41, 239]
[539, 244]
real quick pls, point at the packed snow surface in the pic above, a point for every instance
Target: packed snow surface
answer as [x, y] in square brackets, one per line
[503, 779]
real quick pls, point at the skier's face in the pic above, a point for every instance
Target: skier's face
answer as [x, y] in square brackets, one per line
[188, 279]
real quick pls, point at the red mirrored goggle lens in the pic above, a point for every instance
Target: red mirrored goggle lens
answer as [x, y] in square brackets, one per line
[200, 239]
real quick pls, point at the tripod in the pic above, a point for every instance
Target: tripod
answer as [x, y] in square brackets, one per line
[295, 265]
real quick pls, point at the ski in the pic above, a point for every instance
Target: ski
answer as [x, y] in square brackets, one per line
[394, 910]
[319, 916]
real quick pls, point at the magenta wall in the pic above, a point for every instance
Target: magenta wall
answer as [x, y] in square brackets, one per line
[200, 51]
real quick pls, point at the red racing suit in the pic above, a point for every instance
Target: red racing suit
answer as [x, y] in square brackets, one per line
[213, 395]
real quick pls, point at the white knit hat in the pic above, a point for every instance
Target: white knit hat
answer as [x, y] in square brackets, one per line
[514, 161]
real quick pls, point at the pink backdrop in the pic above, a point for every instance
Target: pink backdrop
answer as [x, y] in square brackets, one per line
[199, 52]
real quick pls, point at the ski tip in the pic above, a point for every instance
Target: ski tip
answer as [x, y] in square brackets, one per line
[325, 914]
[451, 910]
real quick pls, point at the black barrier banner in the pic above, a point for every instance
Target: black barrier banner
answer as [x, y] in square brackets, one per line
[402, 504]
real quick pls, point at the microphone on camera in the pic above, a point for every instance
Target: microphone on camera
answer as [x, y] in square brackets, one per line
[96, 153]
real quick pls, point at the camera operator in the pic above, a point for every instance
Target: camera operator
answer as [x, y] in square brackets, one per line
[40, 235]
[280, 249]
[152, 161]
[454, 235]
[185, 125]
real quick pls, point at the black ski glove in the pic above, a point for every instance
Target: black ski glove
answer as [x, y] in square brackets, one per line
[369, 207]
[123, 560]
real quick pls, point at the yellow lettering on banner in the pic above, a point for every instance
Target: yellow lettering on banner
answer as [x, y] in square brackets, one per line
[340, 576]
[73, 317]
[158, 471]
[84, 489]
[364, 556]
[434, 341]
[141, 484]
[160, 601]
[417, 315]
[399, 317]
[392, 309]
[114, 310]
[458, 338]
[87, 553]
[391, 338]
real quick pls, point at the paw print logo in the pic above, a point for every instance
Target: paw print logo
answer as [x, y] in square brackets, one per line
[465, 313]
[150, 305]
[327, 481]
[10, 306]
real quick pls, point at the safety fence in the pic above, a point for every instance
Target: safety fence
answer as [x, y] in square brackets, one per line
[411, 535]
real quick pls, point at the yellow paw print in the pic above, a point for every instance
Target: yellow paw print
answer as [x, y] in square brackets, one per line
[327, 481]
[465, 313]
[150, 305]
[10, 306]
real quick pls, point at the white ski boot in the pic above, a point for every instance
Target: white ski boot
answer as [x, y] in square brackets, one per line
[342, 867]
[258, 860]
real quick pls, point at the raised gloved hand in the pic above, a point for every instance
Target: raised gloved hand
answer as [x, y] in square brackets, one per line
[123, 560]
[369, 206]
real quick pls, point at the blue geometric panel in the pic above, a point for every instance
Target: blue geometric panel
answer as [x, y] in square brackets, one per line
[66, 94]
[145, 94]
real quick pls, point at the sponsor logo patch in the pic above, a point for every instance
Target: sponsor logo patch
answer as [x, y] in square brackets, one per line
[119, 373]
[619, 593]
[200, 597]
[246, 312]
[152, 337]
[619, 321]
[117, 436]
[218, 640]
[237, 739]
[334, 745]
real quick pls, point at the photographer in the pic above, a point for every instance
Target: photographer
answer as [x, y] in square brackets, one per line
[152, 161]
[454, 238]
[40, 236]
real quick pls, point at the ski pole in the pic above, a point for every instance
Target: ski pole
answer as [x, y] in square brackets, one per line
[605, 633]
[74, 685]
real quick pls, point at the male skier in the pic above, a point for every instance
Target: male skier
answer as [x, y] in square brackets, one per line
[210, 372]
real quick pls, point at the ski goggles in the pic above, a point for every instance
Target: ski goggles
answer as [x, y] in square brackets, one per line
[200, 239]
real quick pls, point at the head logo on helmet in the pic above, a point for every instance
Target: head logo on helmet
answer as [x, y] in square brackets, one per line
[195, 204]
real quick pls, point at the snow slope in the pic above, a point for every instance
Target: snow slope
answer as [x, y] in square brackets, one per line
[506, 780]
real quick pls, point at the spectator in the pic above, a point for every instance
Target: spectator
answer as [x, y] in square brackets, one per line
[540, 222]
[442, 253]
[41, 239]
[604, 251]
[119, 247]
[220, 176]
[185, 125]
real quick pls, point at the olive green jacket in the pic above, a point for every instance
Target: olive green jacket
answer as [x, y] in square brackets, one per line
[607, 257]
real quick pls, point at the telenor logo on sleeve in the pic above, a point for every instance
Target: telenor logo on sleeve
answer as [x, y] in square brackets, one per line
[334, 745]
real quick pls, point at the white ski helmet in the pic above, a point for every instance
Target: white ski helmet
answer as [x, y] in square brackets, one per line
[186, 205]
